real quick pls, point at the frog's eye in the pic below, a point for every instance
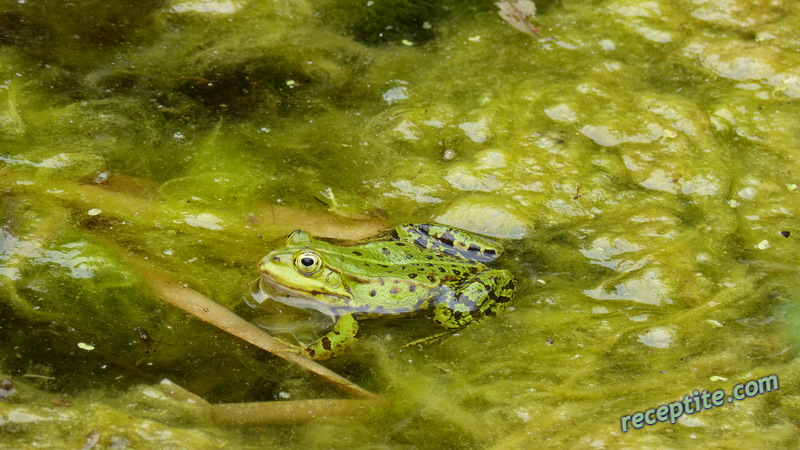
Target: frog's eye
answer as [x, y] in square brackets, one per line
[308, 263]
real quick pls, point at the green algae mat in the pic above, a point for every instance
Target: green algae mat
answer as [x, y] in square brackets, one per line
[637, 160]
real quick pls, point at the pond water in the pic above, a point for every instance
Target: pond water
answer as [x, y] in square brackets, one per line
[637, 160]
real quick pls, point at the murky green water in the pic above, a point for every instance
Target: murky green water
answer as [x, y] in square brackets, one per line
[638, 159]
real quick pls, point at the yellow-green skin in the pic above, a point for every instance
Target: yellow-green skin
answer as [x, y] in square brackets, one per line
[423, 267]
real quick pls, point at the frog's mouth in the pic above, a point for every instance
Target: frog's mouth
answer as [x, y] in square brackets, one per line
[310, 299]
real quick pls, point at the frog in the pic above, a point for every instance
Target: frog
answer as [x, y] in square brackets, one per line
[415, 267]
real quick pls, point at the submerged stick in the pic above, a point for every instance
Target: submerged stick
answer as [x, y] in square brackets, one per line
[262, 413]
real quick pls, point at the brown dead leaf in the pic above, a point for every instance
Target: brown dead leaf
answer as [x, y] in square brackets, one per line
[517, 14]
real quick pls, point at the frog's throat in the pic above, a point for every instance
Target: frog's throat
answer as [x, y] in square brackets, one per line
[333, 299]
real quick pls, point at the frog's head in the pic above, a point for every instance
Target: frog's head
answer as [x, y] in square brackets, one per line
[300, 270]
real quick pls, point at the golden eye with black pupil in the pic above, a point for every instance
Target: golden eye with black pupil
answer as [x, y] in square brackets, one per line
[308, 263]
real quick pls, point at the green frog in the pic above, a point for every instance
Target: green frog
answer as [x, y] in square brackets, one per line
[419, 267]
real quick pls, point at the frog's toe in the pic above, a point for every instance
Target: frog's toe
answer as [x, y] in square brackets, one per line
[427, 340]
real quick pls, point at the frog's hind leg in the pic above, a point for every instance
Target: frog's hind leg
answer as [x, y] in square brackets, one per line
[451, 241]
[484, 295]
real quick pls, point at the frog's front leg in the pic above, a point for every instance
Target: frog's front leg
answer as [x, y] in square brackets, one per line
[335, 341]
[486, 294]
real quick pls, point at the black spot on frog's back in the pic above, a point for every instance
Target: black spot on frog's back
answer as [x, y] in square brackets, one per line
[502, 299]
[448, 238]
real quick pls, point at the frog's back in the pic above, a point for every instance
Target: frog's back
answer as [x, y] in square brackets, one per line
[394, 277]
[390, 257]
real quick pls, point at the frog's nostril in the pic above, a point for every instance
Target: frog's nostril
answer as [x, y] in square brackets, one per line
[276, 259]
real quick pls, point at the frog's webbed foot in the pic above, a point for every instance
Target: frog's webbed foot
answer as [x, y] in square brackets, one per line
[292, 347]
[429, 340]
